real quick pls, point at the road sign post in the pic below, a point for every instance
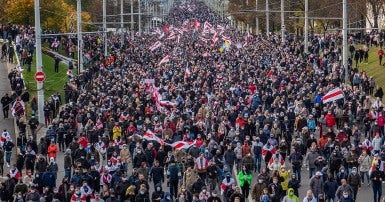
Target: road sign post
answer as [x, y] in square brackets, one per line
[39, 76]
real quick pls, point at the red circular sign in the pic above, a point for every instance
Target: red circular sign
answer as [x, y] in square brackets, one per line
[39, 76]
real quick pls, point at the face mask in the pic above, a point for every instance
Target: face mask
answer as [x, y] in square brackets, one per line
[183, 190]
[142, 192]
[158, 189]
[227, 177]
[260, 181]
[309, 198]
[275, 181]
[204, 191]
[346, 195]
[342, 171]
[78, 192]
[32, 191]
[214, 195]
[354, 172]
[168, 198]
[291, 193]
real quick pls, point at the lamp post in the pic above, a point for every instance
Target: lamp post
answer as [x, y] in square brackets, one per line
[39, 59]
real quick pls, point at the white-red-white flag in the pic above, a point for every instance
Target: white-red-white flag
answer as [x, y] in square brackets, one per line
[214, 39]
[207, 54]
[333, 95]
[219, 27]
[155, 46]
[187, 72]
[203, 39]
[207, 25]
[172, 35]
[149, 135]
[181, 145]
[164, 60]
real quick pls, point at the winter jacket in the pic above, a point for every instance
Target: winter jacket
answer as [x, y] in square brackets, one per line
[290, 197]
[330, 188]
[365, 163]
[317, 185]
[310, 159]
[354, 180]
[330, 120]
[52, 150]
[244, 177]
[49, 179]
[286, 176]
[258, 190]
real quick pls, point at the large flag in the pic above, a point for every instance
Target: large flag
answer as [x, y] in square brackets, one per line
[164, 60]
[333, 95]
[181, 145]
[155, 46]
[149, 135]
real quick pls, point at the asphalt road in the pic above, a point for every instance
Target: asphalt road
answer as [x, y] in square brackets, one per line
[365, 192]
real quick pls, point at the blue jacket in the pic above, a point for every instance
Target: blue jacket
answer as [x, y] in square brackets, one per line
[49, 179]
[330, 188]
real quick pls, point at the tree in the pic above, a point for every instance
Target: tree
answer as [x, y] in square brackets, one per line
[54, 15]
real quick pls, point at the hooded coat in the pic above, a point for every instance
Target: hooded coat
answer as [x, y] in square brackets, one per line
[290, 197]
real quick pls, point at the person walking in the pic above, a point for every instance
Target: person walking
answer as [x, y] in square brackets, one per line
[244, 177]
[344, 187]
[354, 181]
[364, 161]
[6, 101]
[376, 178]
[8, 146]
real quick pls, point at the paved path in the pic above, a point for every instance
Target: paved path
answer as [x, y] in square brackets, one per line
[8, 124]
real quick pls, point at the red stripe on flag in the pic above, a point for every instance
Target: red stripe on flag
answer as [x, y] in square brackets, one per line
[326, 97]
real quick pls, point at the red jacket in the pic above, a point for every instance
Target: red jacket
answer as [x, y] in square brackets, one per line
[330, 120]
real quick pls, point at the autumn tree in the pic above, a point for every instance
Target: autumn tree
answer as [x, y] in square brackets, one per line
[54, 15]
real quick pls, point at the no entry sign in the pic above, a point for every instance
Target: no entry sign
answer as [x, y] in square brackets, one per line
[39, 76]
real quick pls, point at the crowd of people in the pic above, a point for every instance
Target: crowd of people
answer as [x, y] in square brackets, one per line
[197, 111]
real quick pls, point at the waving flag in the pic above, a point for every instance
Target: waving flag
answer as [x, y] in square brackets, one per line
[221, 28]
[333, 95]
[181, 145]
[207, 25]
[214, 39]
[178, 39]
[149, 135]
[161, 36]
[187, 73]
[171, 36]
[155, 46]
[203, 39]
[206, 54]
[196, 24]
[164, 60]
[166, 103]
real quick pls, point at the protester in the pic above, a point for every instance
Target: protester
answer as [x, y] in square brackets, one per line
[194, 97]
